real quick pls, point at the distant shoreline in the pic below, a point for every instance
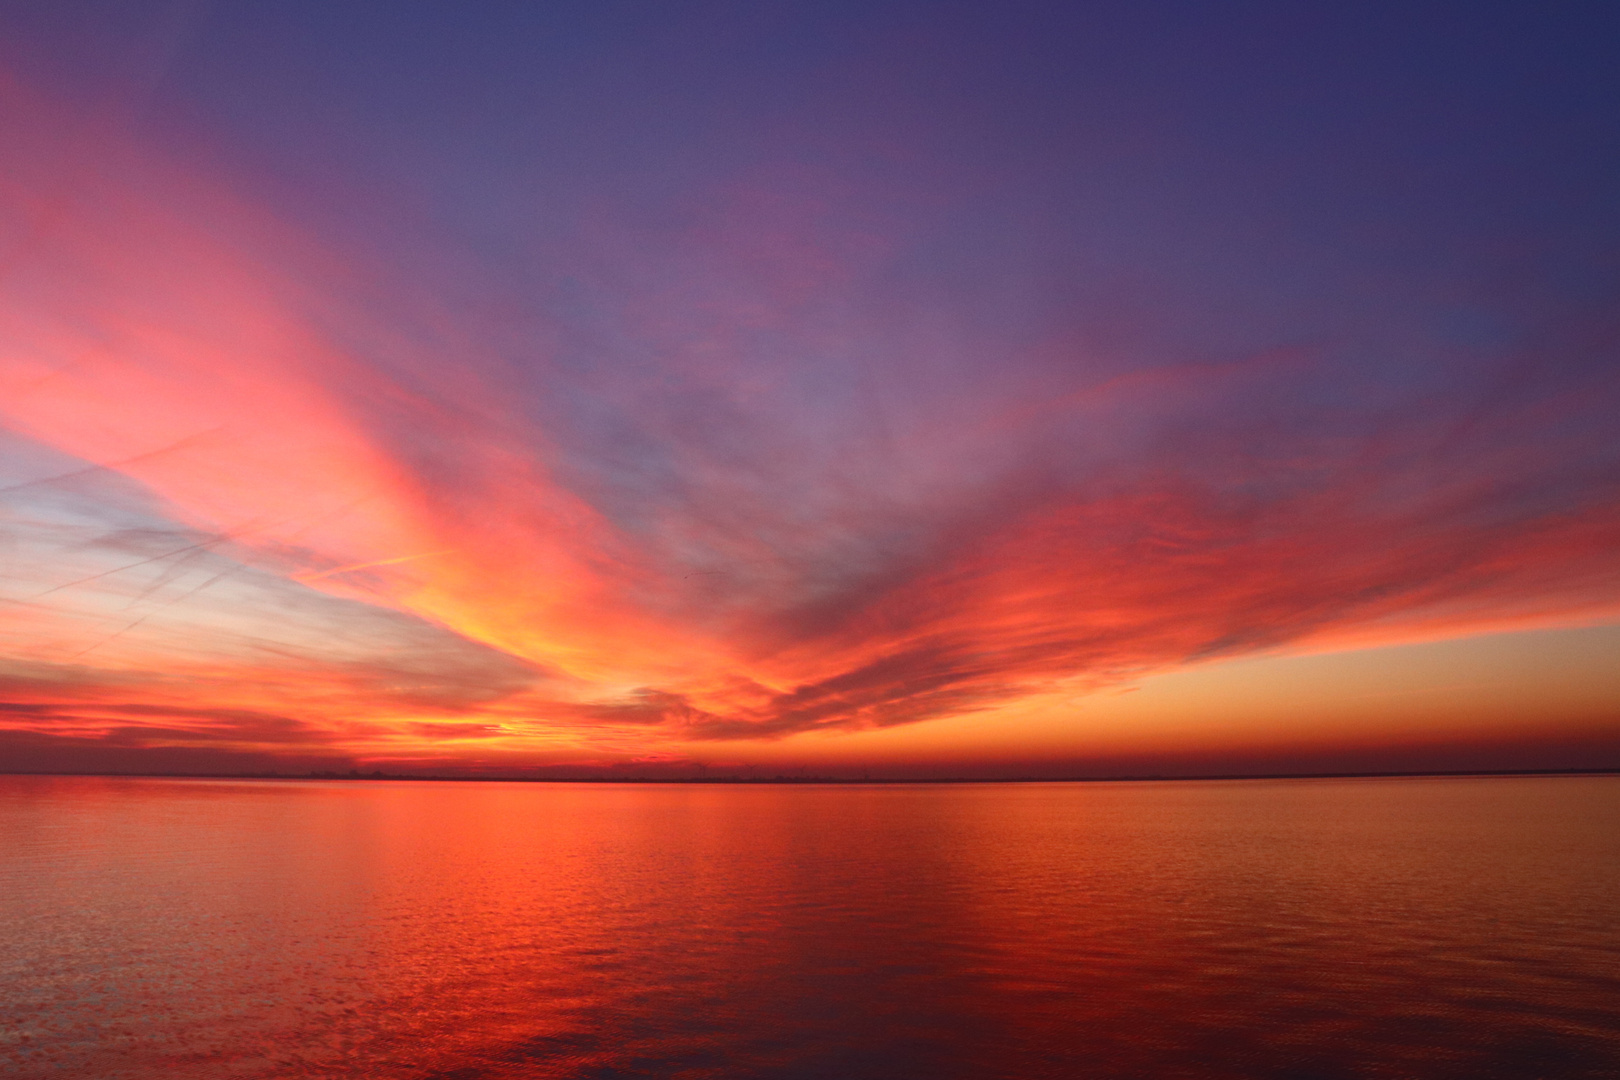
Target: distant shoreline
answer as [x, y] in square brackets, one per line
[355, 776]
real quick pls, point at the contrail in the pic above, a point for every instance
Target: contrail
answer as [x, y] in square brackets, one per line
[306, 578]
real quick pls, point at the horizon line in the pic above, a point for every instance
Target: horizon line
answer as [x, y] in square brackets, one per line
[355, 775]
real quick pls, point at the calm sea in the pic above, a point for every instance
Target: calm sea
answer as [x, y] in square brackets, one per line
[1306, 929]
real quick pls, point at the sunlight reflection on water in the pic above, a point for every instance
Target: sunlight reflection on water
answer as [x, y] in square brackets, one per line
[1321, 928]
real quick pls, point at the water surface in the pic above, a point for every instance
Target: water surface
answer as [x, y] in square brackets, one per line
[1301, 929]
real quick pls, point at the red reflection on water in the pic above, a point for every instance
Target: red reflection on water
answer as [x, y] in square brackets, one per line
[1419, 928]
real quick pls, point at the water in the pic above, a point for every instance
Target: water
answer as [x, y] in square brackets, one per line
[1301, 929]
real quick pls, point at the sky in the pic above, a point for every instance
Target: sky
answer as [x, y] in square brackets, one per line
[878, 389]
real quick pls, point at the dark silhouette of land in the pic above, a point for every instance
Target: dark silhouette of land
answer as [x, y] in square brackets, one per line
[356, 775]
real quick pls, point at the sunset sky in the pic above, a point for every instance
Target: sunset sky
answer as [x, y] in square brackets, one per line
[909, 389]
